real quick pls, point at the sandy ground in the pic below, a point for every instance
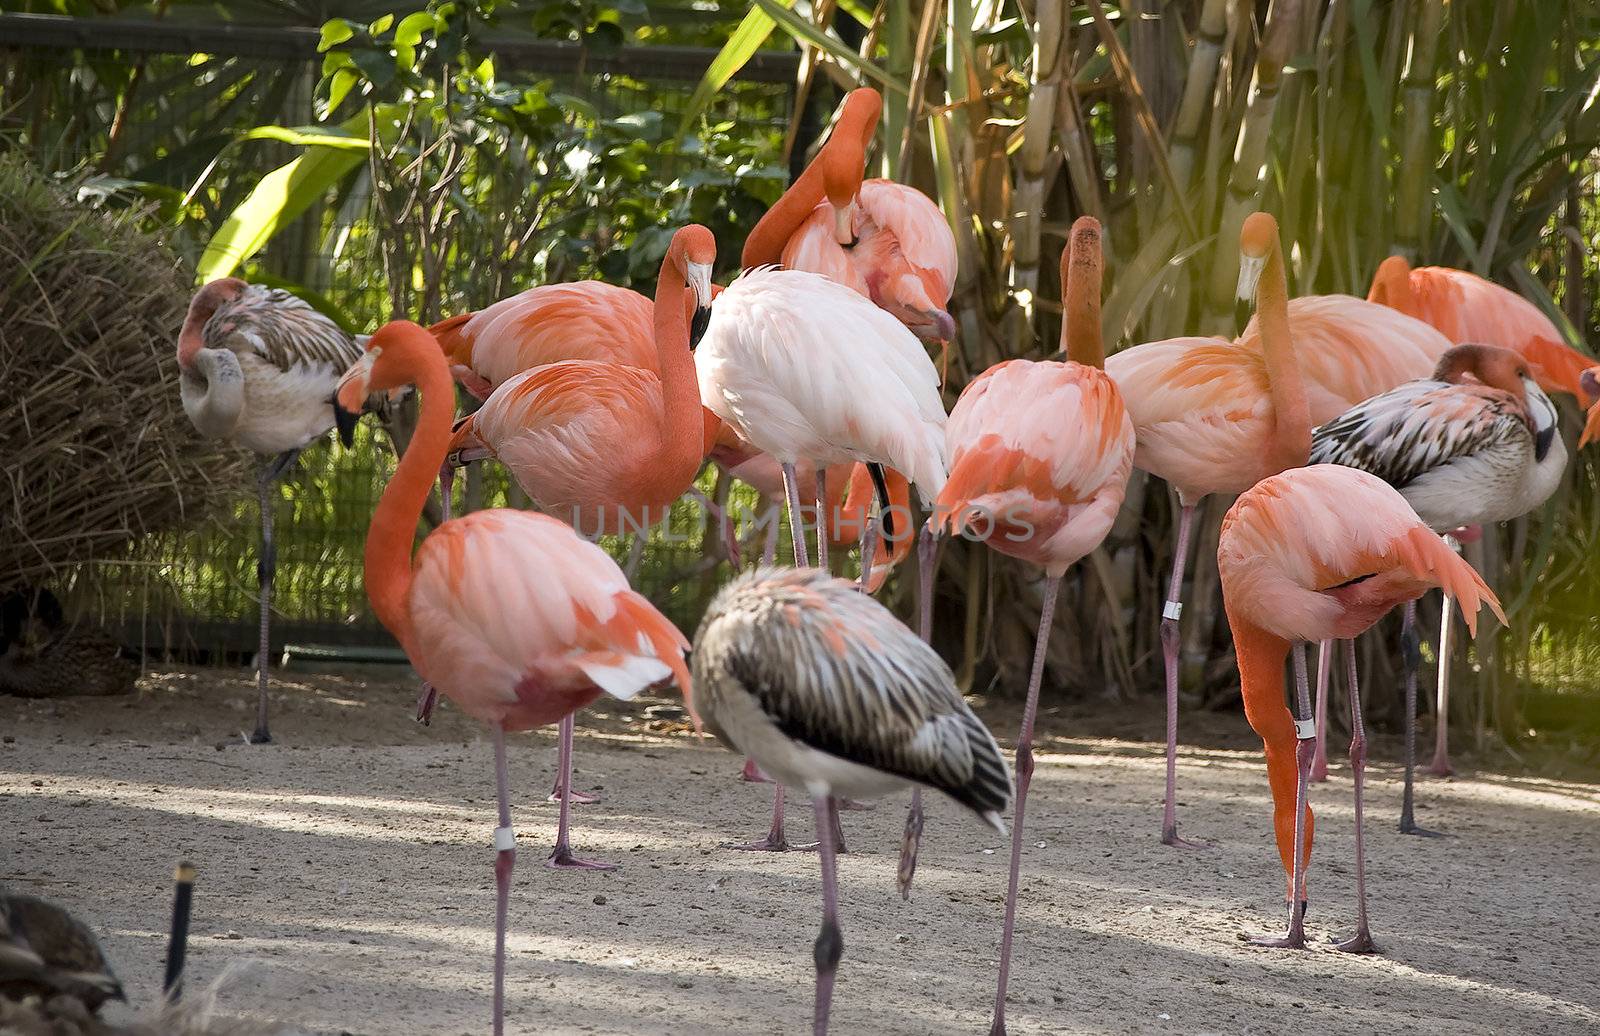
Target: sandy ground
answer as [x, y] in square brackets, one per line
[351, 861]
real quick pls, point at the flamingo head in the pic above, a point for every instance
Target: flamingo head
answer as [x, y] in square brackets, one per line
[210, 298]
[466, 445]
[844, 159]
[694, 251]
[1257, 238]
[394, 354]
[1391, 286]
[1505, 370]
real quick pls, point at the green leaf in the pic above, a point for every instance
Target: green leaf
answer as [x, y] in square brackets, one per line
[308, 136]
[334, 32]
[381, 25]
[804, 32]
[284, 194]
[740, 48]
[340, 86]
[412, 26]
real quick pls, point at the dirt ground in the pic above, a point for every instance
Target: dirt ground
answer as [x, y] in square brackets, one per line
[351, 862]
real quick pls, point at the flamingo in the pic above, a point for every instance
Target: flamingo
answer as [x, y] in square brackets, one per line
[605, 446]
[1589, 382]
[1466, 308]
[1211, 416]
[833, 695]
[510, 614]
[258, 369]
[804, 369]
[1312, 554]
[1040, 458]
[1474, 444]
[884, 239]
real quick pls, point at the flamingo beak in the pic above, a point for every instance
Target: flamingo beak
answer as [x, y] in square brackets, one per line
[844, 231]
[699, 277]
[1250, 268]
[1543, 413]
[350, 398]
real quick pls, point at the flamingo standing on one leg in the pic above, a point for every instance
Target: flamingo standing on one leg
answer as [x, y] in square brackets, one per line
[804, 369]
[1211, 416]
[509, 614]
[1467, 308]
[259, 368]
[1321, 553]
[1474, 444]
[884, 239]
[833, 695]
[604, 446]
[1040, 455]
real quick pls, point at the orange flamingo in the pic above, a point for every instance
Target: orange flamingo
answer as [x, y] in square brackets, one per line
[509, 614]
[1589, 381]
[884, 239]
[1040, 458]
[1466, 308]
[1314, 554]
[1213, 416]
[605, 446]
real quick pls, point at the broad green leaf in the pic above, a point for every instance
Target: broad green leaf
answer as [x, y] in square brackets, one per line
[412, 26]
[334, 32]
[284, 194]
[343, 80]
[742, 45]
[804, 32]
[381, 25]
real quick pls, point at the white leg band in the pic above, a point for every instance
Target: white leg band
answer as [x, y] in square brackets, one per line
[1173, 610]
[504, 838]
[1305, 729]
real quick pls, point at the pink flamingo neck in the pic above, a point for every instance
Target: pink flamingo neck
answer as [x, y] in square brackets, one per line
[686, 431]
[394, 523]
[1291, 446]
[1260, 657]
[1081, 273]
[202, 308]
[1391, 286]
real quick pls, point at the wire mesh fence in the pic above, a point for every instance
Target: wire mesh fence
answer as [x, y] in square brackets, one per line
[194, 593]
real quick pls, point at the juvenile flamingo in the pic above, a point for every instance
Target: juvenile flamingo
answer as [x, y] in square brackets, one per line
[1040, 457]
[804, 369]
[884, 239]
[1461, 452]
[509, 614]
[1466, 308]
[1211, 416]
[606, 447]
[1312, 554]
[833, 695]
[258, 369]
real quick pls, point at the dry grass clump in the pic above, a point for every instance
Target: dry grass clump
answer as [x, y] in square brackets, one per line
[97, 450]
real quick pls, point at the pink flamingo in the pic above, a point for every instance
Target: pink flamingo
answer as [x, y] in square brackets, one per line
[259, 367]
[511, 615]
[1040, 457]
[884, 239]
[1314, 554]
[1212, 416]
[606, 446]
[1475, 444]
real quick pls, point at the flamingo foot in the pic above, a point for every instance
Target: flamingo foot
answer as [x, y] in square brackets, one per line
[1294, 939]
[425, 703]
[1169, 836]
[562, 859]
[1409, 827]
[860, 807]
[261, 736]
[582, 798]
[772, 844]
[1361, 942]
[752, 773]
[1319, 771]
[1440, 767]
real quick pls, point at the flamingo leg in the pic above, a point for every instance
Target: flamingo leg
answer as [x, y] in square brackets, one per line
[822, 523]
[561, 858]
[752, 773]
[777, 840]
[1052, 585]
[797, 525]
[447, 481]
[725, 527]
[911, 841]
[1305, 748]
[829, 946]
[505, 861]
[1440, 767]
[1411, 659]
[1361, 942]
[1169, 656]
[869, 548]
[1319, 762]
[266, 572]
[769, 549]
[563, 784]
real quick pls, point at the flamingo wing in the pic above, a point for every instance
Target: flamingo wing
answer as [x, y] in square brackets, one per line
[1405, 433]
[834, 670]
[283, 330]
[923, 233]
[506, 602]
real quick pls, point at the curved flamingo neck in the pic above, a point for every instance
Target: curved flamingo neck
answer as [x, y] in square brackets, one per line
[1291, 446]
[685, 431]
[1260, 657]
[202, 308]
[1391, 286]
[394, 523]
[848, 143]
[1081, 274]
